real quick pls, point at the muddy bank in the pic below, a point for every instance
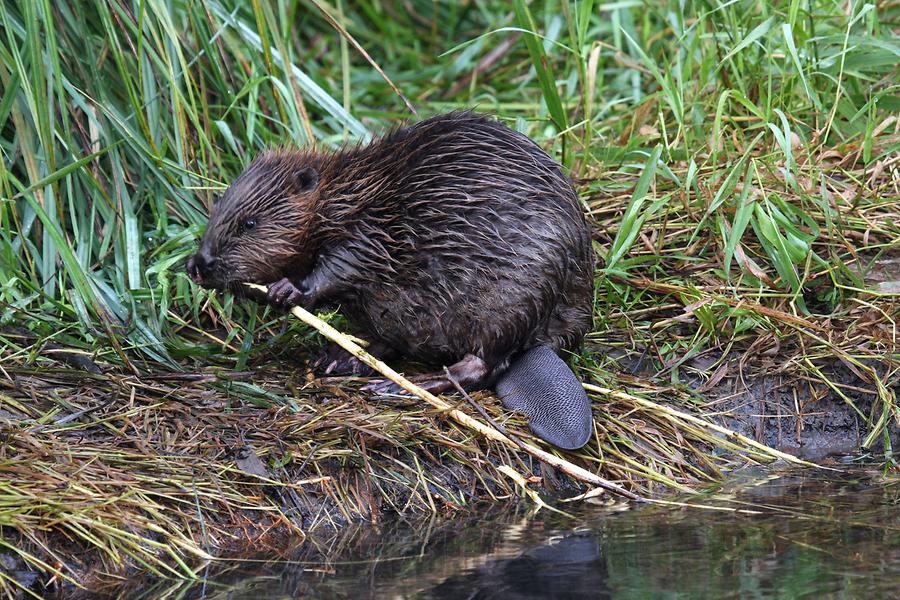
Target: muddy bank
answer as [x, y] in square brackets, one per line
[807, 420]
[405, 555]
[517, 552]
[107, 473]
[772, 401]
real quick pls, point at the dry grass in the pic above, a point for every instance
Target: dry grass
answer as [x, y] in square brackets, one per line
[739, 163]
[162, 469]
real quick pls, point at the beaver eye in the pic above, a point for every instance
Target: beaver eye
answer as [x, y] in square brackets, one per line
[249, 224]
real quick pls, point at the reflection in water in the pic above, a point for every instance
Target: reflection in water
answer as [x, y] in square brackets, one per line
[819, 535]
[571, 567]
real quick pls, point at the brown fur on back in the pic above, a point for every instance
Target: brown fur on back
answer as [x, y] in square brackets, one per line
[455, 235]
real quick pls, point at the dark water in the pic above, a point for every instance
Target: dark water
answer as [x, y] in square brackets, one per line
[817, 535]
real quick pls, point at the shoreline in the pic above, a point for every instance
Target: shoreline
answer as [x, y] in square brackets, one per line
[166, 470]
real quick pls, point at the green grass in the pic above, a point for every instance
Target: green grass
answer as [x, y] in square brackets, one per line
[739, 161]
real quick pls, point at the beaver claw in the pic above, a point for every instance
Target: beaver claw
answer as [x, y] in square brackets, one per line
[284, 294]
[469, 371]
[430, 383]
[337, 362]
[341, 363]
[383, 387]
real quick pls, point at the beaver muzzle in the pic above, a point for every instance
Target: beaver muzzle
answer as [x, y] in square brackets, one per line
[201, 267]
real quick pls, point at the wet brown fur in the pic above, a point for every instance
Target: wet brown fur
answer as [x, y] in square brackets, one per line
[453, 236]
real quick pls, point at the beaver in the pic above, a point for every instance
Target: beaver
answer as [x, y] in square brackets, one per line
[454, 241]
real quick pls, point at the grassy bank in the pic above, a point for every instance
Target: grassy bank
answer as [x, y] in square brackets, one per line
[739, 163]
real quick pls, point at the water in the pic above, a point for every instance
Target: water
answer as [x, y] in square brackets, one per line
[818, 535]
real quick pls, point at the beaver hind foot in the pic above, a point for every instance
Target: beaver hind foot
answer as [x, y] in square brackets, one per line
[542, 386]
[538, 383]
[338, 362]
[469, 371]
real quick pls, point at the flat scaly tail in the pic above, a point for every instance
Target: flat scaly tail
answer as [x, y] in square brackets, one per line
[542, 386]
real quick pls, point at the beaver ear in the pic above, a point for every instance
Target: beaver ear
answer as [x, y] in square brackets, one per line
[307, 179]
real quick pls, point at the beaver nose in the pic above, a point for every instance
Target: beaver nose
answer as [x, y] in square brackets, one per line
[200, 265]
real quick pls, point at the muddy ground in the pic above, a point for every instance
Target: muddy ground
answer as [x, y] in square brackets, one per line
[771, 402]
[761, 399]
[803, 418]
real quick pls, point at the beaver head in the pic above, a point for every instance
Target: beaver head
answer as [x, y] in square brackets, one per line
[260, 229]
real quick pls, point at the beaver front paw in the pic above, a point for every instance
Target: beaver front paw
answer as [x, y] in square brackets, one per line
[284, 294]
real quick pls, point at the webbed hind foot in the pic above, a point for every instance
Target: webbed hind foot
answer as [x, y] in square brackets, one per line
[467, 372]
